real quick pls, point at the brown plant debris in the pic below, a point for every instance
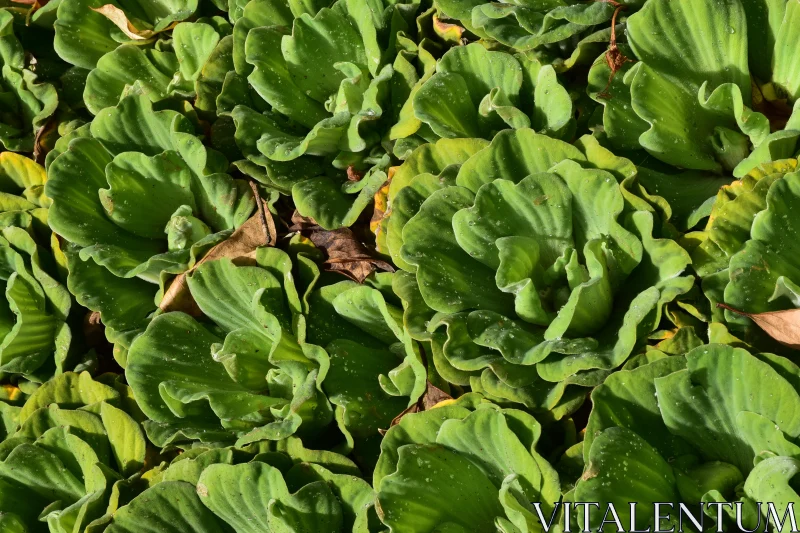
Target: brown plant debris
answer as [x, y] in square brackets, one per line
[615, 59]
[239, 247]
[353, 174]
[783, 326]
[344, 252]
[120, 20]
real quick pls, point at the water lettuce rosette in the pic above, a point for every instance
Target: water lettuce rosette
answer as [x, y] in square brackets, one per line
[112, 24]
[475, 92]
[270, 358]
[165, 74]
[745, 256]
[138, 197]
[525, 267]
[329, 84]
[69, 452]
[711, 90]
[718, 425]
[269, 486]
[36, 338]
[25, 105]
[556, 30]
[464, 466]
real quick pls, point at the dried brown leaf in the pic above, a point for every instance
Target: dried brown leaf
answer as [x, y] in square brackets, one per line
[120, 20]
[45, 138]
[239, 247]
[345, 253]
[614, 58]
[783, 326]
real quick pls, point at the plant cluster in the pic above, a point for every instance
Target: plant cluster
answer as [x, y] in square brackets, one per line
[397, 266]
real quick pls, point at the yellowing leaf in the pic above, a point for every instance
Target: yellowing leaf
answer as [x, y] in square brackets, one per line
[120, 20]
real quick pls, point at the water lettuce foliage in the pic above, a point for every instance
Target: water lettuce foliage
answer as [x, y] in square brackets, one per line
[397, 266]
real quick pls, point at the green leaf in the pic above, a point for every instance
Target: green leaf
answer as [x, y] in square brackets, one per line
[126, 439]
[168, 507]
[194, 43]
[754, 288]
[622, 467]
[123, 67]
[627, 399]
[77, 21]
[69, 391]
[241, 494]
[312, 508]
[701, 403]
[423, 496]
[770, 481]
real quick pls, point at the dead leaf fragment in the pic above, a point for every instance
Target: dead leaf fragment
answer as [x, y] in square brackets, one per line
[345, 253]
[45, 139]
[93, 330]
[783, 326]
[591, 472]
[353, 174]
[120, 20]
[239, 247]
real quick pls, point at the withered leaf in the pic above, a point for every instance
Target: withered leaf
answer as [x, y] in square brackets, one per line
[783, 326]
[381, 204]
[45, 138]
[431, 398]
[120, 20]
[239, 247]
[345, 253]
[450, 33]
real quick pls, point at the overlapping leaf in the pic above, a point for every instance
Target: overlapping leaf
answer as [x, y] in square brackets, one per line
[515, 262]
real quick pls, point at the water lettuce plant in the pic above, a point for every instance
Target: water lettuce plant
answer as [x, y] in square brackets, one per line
[269, 487]
[68, 452]
[277, 359]
[397, 266]
[470, 452]
[36, 337]
[717, 425]
[523, 265]
[745, 256]
[103, 188]
[24, 104]
[713, 91]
